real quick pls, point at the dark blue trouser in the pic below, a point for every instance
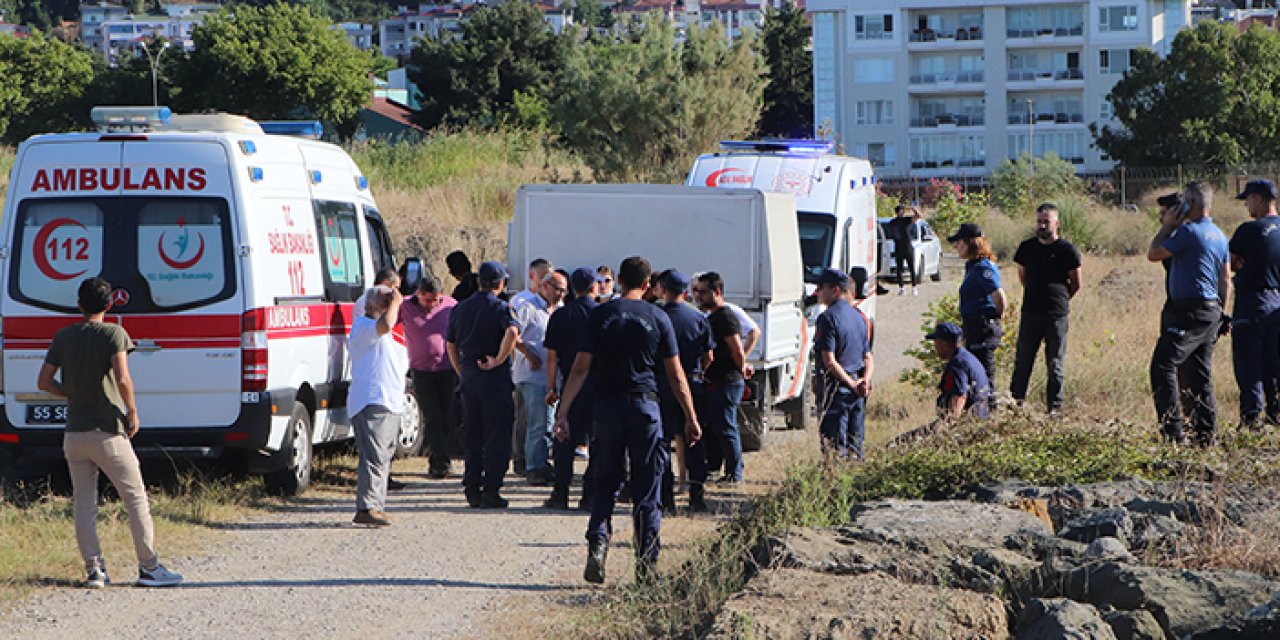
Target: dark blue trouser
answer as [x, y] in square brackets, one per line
[843, 425]
[562, 452]
[719, 418]
[1034, 328]
[488, 412]
[1255, 352]
[628, 427]
[695, 456]
[982, 338]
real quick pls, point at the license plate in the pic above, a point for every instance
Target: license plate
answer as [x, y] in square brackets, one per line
[46, 414]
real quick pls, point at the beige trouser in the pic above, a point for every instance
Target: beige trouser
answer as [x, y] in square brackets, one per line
[87, 452]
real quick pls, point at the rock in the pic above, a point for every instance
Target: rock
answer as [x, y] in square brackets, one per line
[939, 525]
[1268, 611]
[1133, 625]
[1107, 547]
[1061, 620]
[1152, 530]
[1182, 602]
[1111, 522]
[1043, 545]
[796, 603]
[1244, 630]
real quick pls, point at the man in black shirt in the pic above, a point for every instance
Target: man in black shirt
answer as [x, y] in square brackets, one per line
[1049, 270]
[904, 253]
[460, 268]
[725, 380]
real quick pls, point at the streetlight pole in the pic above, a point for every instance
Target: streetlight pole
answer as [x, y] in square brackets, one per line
[155, 64]
[1031, 139]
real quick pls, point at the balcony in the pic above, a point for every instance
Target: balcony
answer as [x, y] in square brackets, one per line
[950, 163]
[1047, 118]
[948, 120]
[1023, 79]
[959, 82]
[946, 37]
[1042, 35]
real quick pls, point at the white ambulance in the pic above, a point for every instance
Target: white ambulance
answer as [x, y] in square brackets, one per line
[235, 257]
[835, 198]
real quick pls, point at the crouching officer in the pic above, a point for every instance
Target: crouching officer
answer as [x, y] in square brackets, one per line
[626, 340]
[481, 336]
[964, 388]
[842, 339]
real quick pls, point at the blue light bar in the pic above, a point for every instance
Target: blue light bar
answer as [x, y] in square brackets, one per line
[131, 118]
[785, 145]
[362, 183]
[298, 128]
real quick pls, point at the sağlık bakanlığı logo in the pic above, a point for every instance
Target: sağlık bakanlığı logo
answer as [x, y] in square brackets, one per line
[729, 176]
[183, 243]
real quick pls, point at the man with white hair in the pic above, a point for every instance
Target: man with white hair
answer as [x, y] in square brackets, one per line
[375, 399]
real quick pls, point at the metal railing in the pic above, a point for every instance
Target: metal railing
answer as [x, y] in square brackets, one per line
[1047, 118]
[961, 34]
[957, 119]
[1060, 74]
[939, 78]
[1057, 32]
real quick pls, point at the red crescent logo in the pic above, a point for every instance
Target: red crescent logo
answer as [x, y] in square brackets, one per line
[713, 180]
[176, 264]
[335, 255]
[42, 258]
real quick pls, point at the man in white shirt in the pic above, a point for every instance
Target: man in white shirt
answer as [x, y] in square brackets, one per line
[531, 379]
[538, 269]
[375, 399]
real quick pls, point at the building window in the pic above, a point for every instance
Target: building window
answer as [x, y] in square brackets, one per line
[1113, 61]
[1105, 110]
[1119, 18]
[873, 70]
[873, 27]
[874, 112]
[879, 154]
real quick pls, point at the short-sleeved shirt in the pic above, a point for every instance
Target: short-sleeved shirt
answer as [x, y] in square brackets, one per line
[1257, 243]
[424, 333]
[1047, 267]
[745, 324]
[628, 339]
[468, 285]
[83, 352]
[842, 330]
[693, 340]
[899, 231]
[476, 327]
[981, 279]
[532, 314]
[724, 324]
[1199, 250]
[565, 330]
[378, 368]
[965, 376]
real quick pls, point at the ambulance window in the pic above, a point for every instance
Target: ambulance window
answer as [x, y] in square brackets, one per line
[60, 243]
[340, 249]
[182, 251]
[378, 244]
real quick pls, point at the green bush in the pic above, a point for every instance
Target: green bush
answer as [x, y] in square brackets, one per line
[954, 209]
[1018, 187]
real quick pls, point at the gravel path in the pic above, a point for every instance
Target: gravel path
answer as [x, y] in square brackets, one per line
[441, 571]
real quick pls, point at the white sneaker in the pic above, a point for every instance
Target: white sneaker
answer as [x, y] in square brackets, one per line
[915, 291]
[97, 578]
[901, 291]
[158, 577]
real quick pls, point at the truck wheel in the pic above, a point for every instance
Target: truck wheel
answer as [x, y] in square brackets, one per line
[752, 425]
[412, 434]
[295, 476]
[801, 411]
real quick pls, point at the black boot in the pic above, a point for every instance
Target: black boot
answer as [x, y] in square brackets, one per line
[597, 554]
[473, 496]
[696, 502]
[490, 499]
[559, 500]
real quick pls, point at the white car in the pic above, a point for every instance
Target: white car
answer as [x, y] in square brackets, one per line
[927, 246]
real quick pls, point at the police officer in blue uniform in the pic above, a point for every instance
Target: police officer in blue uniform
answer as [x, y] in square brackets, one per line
[982, 298]
[564, 335]
[626, 340]
[1255, 330]
[1199, 282]
[964, 387]
[842, 340]
[482, 334]
[694, 342]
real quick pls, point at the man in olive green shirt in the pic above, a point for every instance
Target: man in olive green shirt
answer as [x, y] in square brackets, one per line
[101, 417]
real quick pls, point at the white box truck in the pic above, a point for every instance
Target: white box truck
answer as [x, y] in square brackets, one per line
[749, 236]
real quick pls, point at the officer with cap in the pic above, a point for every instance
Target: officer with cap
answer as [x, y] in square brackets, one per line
[1255, 330]
[694, 342]
[982, 298]
[482, 334]
[964, 386]
[564, 334]
[842, 340]
[626, 340]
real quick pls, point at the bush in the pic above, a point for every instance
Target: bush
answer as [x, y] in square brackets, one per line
[1018, 187]
[885, 204]
[954, 208]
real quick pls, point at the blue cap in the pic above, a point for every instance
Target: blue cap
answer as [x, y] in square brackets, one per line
[492, 271]
[833, 276]
[676, 281]
[1263, 187]
[948, 331]
[582, 277]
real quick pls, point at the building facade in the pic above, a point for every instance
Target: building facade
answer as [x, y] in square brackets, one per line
[952, 88]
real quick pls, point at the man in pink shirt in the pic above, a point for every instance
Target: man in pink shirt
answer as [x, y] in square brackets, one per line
[425, 317]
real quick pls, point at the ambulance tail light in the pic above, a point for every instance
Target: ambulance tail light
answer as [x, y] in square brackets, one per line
[253, 351]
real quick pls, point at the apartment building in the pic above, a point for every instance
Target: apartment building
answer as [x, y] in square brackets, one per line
[397, 35]
[111, 31]
[951, 88]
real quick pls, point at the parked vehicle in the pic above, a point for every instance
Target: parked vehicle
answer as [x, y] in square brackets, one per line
[924, 243]
[749, 236]
[235, 255]
[835, 201]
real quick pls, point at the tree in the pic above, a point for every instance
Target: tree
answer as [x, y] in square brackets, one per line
[591, 14]
[788, 96]
[1018, 187]
[1214, 101]
[473, 78]
[641, 110]
[280, 61]
[39, 79]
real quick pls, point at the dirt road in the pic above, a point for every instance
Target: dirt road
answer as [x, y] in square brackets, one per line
[441, 571]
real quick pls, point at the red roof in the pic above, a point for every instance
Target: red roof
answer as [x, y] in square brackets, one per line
[395, 112]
